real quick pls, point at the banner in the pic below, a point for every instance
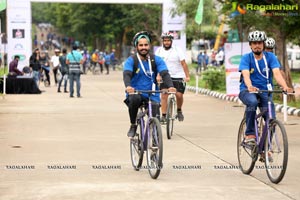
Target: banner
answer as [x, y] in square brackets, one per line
[233, 55]
[19, 31]
[199, 14]
[175, 25]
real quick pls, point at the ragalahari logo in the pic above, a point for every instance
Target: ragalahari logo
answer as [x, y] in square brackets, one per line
[238, 7]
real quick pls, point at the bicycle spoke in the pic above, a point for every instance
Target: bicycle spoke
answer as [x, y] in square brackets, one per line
[244, 151]
[154, 149]
[276, 152]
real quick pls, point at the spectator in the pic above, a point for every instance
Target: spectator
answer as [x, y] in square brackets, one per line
[200, 62]
[74, 60]
[13, 66]
[55, 64]
[34, 64]
[107, 62]
[64, 69]
[44, 61]
[113, 60]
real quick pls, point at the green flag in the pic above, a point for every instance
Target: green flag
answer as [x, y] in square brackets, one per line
[199, 14]
[2, 5]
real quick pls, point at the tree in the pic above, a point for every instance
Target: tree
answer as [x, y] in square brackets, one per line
[210, 18]
[102, 26]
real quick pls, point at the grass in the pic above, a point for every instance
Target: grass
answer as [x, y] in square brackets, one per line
[295, 76]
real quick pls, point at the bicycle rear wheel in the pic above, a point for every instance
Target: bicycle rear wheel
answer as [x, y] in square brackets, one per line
[276, 151]
[244, 151]
[154, 148]
[137, 148]
[170, 117]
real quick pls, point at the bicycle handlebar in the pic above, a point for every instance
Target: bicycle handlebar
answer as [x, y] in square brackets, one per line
[147, 91]
[182, 81]
[273, 91]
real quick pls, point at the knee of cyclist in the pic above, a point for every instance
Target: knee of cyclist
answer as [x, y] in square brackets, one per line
[252, 103]
[134, 100]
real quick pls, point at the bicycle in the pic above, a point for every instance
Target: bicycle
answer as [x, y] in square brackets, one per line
[171, 114]
[271, 144]
[148, 138]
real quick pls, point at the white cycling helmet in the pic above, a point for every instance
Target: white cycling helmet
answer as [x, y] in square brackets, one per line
[257, 36]
[167, 35]
[270, 43]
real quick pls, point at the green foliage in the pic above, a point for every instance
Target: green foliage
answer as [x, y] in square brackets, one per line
[3, 70]
[210, 18]
[100, 24]
[215, 78]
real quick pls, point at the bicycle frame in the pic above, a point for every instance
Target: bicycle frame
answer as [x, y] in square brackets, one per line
[260, 139]
[143, 111]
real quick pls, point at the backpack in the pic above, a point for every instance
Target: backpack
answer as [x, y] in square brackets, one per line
[136, 62]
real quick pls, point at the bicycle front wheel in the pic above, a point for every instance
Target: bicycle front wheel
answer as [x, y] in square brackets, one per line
[136, 148]
[154, 148]
[244, 152]
[276, 151]
[170, 117]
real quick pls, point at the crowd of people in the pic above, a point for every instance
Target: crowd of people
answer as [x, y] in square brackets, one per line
[216, 58]
[65, 66]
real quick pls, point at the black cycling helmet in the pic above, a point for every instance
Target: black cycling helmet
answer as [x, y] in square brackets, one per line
[139, 35]
[167, 35]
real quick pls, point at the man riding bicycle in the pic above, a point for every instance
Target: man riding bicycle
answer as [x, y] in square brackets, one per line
[140, 71]
[179, 72]
[258, 68]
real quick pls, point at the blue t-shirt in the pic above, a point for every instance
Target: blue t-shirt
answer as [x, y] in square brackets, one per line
[141, 81]
[74, 58]
[259, 81]
[107, 59]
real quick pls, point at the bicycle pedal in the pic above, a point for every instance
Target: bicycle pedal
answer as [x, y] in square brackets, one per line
[154, 148]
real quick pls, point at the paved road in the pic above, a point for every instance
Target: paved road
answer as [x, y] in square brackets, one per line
[53, 147]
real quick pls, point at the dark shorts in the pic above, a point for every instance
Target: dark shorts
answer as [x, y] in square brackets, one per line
[178, 83]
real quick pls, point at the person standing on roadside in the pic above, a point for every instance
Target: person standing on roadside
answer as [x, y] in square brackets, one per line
[74, 60]
[35, 66]
[64, 69]
[107, 62]
[55, 64]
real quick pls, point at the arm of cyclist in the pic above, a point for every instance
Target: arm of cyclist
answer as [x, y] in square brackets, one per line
[248, 82]
[186, 70]
[280, 80]
[127, 75]
[167, 80]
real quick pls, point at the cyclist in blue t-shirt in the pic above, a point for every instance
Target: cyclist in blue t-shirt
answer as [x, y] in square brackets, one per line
[143, 77]
[258, 69]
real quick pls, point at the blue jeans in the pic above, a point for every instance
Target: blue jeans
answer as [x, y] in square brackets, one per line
[74, 76]
[36, 77]
[251, 101]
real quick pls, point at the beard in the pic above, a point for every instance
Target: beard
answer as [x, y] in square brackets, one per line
[167, 47]
[257, 52]
[143, 52]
